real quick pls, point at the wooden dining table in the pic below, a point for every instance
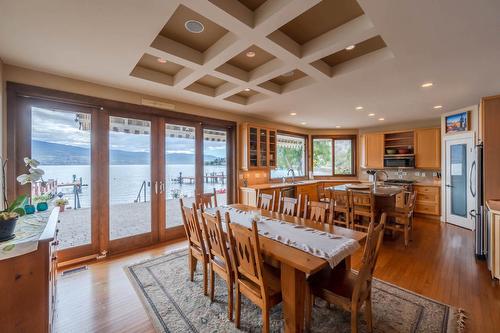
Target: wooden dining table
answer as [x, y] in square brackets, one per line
[297, 265]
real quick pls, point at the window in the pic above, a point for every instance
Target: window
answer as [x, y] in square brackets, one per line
[334, 156]
[291, 153]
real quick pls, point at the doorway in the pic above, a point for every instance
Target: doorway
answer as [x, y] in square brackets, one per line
[459, 164]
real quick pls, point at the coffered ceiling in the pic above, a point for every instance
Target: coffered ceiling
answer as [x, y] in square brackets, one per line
[270, 58]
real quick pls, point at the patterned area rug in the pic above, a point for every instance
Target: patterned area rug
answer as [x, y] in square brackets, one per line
[176, 304]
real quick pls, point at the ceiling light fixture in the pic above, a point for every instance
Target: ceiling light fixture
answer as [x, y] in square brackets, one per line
[194, 26]
[293, 113]
[427, 85]
[350, 47]
[438, 107]
[381, 119]
[247, 89]
[250, 54]
[371, 114]
[338, 126]
[303, 123]
[359, 108]
[288, 74]
[161, 60]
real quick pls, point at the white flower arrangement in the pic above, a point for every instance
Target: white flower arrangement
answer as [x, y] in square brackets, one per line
[34, 174]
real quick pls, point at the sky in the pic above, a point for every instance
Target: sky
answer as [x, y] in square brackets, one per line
[61, 128]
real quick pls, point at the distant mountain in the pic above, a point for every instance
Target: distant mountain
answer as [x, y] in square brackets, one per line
[57, 154]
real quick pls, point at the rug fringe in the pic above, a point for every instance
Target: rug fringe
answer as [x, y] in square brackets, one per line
[456, 321]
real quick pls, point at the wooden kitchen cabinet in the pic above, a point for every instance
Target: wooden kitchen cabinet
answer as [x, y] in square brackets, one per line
[372, 150]
[428, 148]
[428, 200]
[257, 146]
[311, 190]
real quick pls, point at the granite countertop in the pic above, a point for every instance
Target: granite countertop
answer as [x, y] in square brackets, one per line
[297, 183]
[380, 191]
[435, 183]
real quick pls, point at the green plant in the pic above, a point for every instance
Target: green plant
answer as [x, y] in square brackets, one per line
[60, 202]
[41, 198]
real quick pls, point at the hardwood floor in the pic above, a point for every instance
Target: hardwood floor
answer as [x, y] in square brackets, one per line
[439, 264]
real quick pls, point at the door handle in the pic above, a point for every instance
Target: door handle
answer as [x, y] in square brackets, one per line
[447, 185]
[162, 187]
[156, 187]
[473, 192]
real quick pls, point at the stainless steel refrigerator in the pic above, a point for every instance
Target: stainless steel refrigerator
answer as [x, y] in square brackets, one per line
[478, 213]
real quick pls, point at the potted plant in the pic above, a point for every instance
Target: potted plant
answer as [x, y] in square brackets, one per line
[61, 203]
[41, 202]
[11, 212]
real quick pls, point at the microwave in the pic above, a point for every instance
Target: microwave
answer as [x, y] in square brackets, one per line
[399, 161]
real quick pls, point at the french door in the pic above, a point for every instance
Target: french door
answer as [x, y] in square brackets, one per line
[459, 200]
[119, 172]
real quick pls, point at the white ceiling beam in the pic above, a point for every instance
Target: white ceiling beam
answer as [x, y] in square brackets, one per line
[152, 75]
[363, 61]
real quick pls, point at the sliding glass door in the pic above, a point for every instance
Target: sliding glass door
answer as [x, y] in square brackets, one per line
[215, 164]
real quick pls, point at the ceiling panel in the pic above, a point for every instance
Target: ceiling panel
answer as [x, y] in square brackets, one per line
[252, 4]
[211, 81]
[248, 64]
[287, 78]
[151, 62]
[365, 47]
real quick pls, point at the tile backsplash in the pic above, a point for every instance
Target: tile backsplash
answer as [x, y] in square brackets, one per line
[419, 175]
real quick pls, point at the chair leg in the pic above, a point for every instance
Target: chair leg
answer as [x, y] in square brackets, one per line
[354, 321]
[309, 305]
[238, 306]
[205, 278]
[368, 314]
[407, 236]
[212, 282]
[192, 266]
[230, 299]
[265, 319]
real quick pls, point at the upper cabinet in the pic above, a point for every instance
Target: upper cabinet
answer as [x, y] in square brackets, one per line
[372, 150]
[257, 146]
[428, 148]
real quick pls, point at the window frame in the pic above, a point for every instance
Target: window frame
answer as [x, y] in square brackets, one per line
[305, 137]
[354, 158]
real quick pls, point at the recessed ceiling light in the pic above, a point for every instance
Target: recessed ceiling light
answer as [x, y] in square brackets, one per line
[194, 26]
[250, 54]
[427, 85]
[338, 126]
[161, 60]
[293, 113]
[371, 114]
[247, 89]
[350, 47]
[359, 108]
[288, 74]
[438, 106]
[303, 123]
[381, 119]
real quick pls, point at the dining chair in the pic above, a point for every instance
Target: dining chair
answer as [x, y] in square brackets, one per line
[323, 195]
[317, 211]
[341, 208]
[218, 255]
[197, 245]
[266, 201]
[204, 200]
[289, 206]
[362, 208]
[256, 280]
[346, 288]
[400, 219]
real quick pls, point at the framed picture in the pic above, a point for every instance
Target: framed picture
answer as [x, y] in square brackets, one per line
[459, 122]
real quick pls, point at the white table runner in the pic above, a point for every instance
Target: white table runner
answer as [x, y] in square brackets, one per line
[333, 248]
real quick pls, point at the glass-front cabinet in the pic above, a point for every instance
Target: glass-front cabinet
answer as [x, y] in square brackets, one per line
[259, 147]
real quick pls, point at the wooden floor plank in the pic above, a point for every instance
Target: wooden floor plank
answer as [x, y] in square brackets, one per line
[439, 263]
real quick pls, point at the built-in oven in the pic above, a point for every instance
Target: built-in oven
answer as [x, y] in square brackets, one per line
[407, 161]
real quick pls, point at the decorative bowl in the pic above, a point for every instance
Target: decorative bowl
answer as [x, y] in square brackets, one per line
[391, 151]
[42, 206]
[29, 209]
[403, 151]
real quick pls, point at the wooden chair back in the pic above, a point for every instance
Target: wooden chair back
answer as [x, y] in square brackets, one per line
[216, 238]
[289, 206]
[340, 199]
[362, 203]
[204, 200]
[317, 211]
[247, 260]
[363, 284]
[192, 226]
[266, 201]
[323, 195]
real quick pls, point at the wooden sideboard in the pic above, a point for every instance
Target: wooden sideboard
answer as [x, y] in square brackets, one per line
[28, 285]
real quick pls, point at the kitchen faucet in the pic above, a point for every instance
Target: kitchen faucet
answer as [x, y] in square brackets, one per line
[293, 175]
[374, 173]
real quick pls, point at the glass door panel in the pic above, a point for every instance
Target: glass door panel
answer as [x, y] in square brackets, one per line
[129, 177]
[61, 142]
[215, 163]
[263, 147]
[458, 179]
[180, 170]
[253, 147]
